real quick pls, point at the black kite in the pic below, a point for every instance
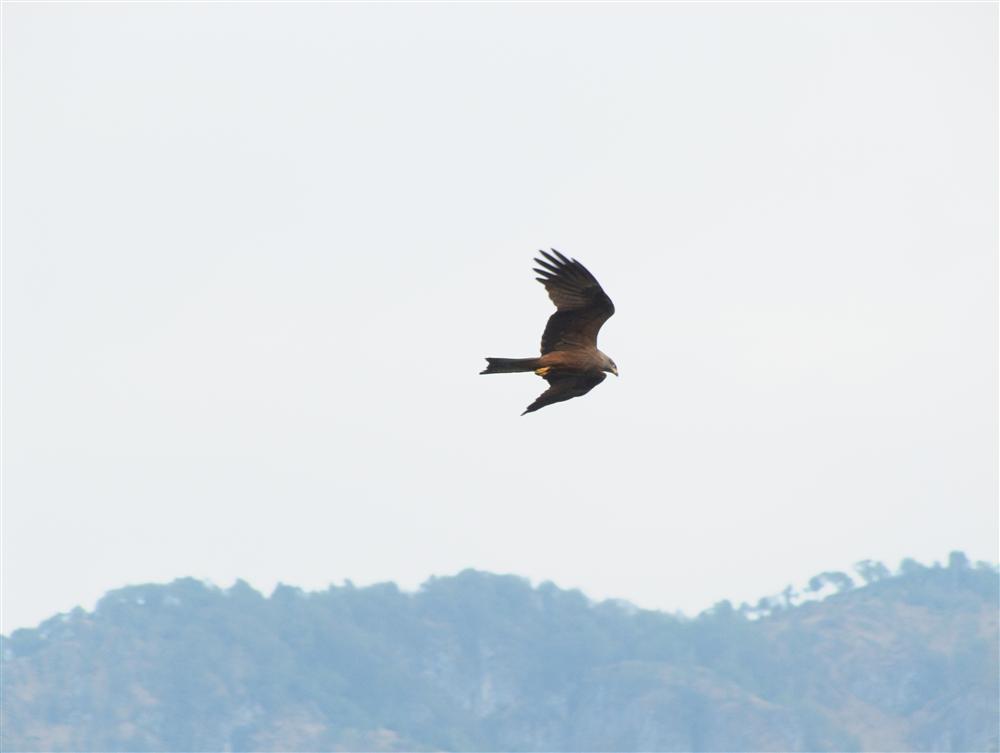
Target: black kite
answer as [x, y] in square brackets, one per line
[570, 361]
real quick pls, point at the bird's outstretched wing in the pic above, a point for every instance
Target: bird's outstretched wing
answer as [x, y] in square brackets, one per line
[581, 305]
[564, 386]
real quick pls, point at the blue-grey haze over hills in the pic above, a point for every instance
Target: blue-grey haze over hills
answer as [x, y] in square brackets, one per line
[887, 662]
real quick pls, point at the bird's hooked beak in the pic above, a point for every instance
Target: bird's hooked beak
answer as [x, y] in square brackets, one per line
[614, 370]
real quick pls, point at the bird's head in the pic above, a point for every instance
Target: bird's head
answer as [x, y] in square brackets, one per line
[610, 366]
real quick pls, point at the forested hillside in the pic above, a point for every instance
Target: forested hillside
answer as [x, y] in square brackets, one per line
[904, 661]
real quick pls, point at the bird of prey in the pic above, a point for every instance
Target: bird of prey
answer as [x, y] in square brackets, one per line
[570, 361]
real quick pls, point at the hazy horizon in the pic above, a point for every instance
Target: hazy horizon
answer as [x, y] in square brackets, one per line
[906, 662]
[255, 254]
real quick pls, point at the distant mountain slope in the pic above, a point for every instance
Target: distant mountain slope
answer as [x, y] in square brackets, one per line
[486, 662]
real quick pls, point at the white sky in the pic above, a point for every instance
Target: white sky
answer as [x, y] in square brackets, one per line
[254, 255]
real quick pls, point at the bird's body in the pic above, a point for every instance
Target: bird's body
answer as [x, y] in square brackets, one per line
[570, 361]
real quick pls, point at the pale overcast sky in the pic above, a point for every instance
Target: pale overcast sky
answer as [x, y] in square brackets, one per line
[255, 254]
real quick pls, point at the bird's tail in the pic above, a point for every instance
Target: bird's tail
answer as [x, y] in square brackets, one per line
[509, 365]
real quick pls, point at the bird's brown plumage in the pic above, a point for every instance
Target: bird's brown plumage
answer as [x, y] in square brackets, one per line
[581, 305]
[570, 361]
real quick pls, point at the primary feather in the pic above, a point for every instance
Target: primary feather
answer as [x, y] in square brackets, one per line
[582, 306]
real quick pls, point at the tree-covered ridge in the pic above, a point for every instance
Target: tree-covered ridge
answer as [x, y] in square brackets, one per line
[906, 661]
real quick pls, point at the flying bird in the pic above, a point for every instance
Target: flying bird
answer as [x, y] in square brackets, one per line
[570, 361]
